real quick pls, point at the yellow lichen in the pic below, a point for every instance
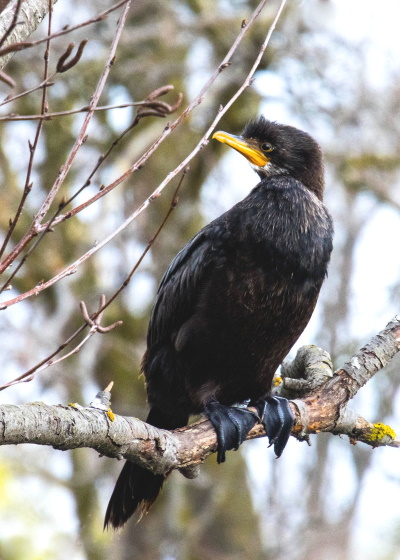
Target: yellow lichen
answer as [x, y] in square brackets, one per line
[111, 415]
[73, 405]
[277, 381]
[380, 430]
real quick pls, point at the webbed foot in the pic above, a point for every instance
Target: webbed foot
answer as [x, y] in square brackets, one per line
[277, 417]
[232, 425]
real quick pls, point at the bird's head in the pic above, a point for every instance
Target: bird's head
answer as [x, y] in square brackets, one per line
[277, 149]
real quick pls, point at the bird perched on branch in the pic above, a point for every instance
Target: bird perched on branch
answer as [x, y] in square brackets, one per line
[233, 302]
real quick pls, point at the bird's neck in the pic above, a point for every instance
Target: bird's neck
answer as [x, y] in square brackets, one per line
[289, 224]
[311, 177]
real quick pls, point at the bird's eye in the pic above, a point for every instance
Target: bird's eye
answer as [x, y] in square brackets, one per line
[267, 147]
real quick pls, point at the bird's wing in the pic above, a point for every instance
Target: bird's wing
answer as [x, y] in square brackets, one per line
[179, 288]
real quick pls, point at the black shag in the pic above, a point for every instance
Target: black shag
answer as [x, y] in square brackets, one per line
[233, 302]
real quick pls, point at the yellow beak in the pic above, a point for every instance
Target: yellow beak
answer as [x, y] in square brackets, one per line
[256, 157]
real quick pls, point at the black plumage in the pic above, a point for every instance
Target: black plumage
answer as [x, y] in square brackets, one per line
[233, 302]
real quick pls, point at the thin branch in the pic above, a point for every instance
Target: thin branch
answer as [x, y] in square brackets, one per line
[6, 79]
[94, 319]
[96, 427]
[32, 147]
[18, 24]
[82, 133]
[46, 362]
[33, 231]
[85, 109]
[95, 327]
[47, 83]
[203, 142]
[73, 267]
[158, 109]
[173, 205]
[19, 247]
[95, 324]
[30, 22]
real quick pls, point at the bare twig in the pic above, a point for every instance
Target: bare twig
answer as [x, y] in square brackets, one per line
[47, 83]
[95, 327]
[16, 47]
[21, 45]
[82, 134]
[32, 147]
[32, 13]
[160, 109]
[33, 231]
[47, 361]
[6, 79]
[222, 110]
[95, 323]
[72, 268]
[95, 318]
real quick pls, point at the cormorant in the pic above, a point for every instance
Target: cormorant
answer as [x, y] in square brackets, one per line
[233, 302]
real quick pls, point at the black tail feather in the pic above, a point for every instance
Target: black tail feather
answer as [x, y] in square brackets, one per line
[136, 487]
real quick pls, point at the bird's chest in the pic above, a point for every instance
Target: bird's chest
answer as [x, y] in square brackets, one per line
[244, 289]
[259, 301]
[282, 231]
[255, 294]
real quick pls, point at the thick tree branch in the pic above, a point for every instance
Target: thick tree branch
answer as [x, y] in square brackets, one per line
[325, 410]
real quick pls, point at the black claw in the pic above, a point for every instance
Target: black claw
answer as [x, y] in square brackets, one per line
[277, 417]
[232, 425]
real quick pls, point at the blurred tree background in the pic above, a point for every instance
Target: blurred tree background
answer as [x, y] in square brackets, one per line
[329, 69]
